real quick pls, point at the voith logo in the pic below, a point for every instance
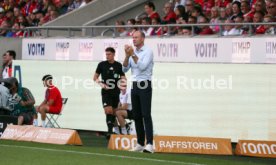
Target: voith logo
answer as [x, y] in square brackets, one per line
[206, 50]
[256, 148]
[169, 50]
[36, 49]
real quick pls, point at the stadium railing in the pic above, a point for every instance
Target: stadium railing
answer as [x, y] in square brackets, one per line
[45, 31]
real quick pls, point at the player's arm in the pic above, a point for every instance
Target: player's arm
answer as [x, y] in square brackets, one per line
[50, 102]
[96, 80]
[30, 101]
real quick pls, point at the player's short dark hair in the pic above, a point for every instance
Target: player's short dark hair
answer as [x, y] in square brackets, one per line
[110, 49]
[12, 53]
[47, 77]
[150, 4]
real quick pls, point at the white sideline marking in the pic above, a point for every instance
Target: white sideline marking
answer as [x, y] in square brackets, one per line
[98, 154]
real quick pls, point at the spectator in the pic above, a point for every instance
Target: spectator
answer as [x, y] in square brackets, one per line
[269, 29]
[181, 15]
[15, 28]
[16, 13]
[10, 16]
[21, 19]
[205, 29]
[239, 28]
[62, 7]
[245, 9]
[131, 30]
[228, 10]
[5, 25]
[73, 4]
[197, 12]
[124, 108]
[8, 57]
[31, 19]
[138, 21]
[222, 15]
[148, 31]
[236, 9]
[260, 6]
[21, 32]
[169, 13]
[46, 4]
[258, 18]
[272, 9]
[6, 5]
[53, 15]
[214, 19]
[189, 7]
[121, 30]
[187, 31]
[157, 30]
[2, 15]
[193, 20]
[29, 7]
[179, 2]
[150, 10]
[22, 102]
[52, 102]
[229, 30]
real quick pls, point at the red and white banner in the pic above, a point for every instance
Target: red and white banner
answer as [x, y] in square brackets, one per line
[42, 135]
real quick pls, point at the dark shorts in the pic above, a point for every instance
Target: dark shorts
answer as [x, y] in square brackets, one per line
[130, 115]
[28, 118]
[111, 99]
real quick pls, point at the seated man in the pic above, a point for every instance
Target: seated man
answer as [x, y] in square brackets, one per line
[4, 98]
[124, 108]
[53, 100]
[21, 103]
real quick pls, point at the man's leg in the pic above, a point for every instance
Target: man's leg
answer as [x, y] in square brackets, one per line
[43, 110]
[110, 118]
[146, 96]
[20, 120]
[137, 114]
[121, 116]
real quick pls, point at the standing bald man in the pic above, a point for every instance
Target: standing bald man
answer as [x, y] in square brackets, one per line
[140, 61]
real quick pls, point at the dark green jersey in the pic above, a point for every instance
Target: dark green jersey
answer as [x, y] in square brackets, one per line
[26, 95]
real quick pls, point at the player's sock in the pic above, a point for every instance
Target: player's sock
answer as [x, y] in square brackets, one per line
[110, 122]
[116, 130]
[43, 124]
[124, 131]
[35, 122]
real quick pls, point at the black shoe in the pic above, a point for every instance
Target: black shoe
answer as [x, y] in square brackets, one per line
[107, 136]
[128, 127]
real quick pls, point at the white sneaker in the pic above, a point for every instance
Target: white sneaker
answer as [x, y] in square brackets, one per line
[149, 148]
[137, 148]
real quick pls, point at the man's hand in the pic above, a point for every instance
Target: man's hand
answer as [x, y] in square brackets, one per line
[129, 50]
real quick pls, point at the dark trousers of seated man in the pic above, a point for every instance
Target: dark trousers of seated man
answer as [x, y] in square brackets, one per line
[141, 96]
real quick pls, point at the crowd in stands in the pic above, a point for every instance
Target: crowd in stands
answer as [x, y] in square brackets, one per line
[206, 12]
[18, 14]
